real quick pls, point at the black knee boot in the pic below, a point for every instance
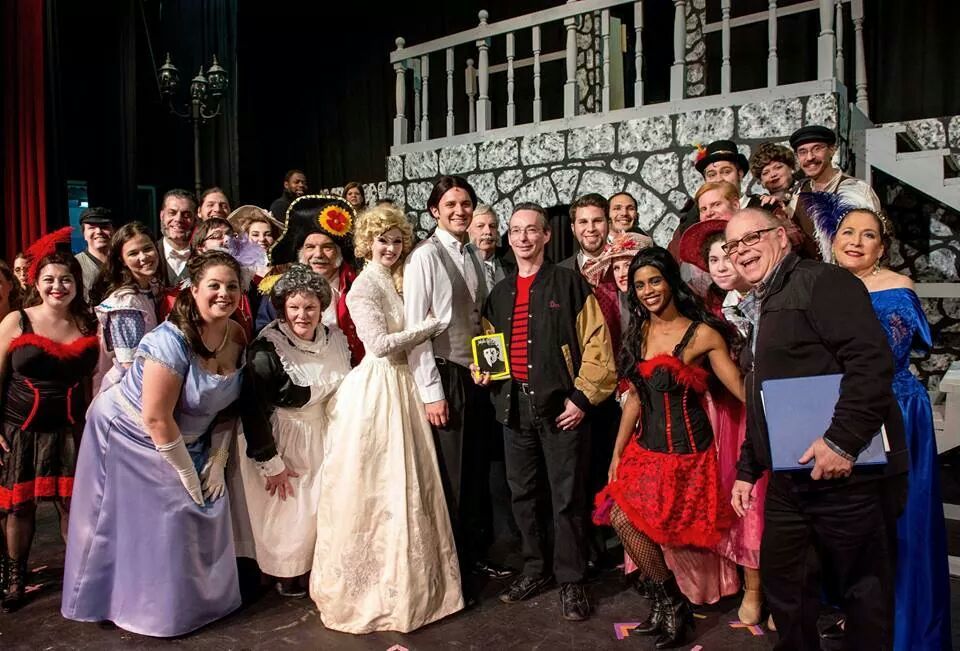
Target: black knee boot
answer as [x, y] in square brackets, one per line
[4, 572]
[677, 615]
[651, 625]
[13, 599]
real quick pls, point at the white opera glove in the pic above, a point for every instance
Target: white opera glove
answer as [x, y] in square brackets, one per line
[175, 453]
[213, 473]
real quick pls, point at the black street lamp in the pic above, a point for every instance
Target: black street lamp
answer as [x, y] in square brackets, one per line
[205, 95]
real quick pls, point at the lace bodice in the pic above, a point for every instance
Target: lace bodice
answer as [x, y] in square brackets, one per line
[377, 312]
[905, 324]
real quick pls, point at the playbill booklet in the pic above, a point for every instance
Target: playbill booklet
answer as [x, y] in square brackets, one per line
[490, 355]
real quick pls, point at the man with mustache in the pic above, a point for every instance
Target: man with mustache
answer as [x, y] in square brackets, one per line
[814, 319]
[815, 147]
[484, 240]
[444, 277]
[177, 219]
[214, 203]
[97, 225]
[319, 231]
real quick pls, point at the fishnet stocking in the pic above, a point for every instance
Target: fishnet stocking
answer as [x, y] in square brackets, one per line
[645, 553]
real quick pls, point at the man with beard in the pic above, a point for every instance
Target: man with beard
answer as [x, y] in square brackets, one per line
[590, 226]
[213, 203]
[484, 237]
[97, 225]
[177, 217]
[817, 319]
[815, 147]
[443, 277]
[319, 231]
[294, 185]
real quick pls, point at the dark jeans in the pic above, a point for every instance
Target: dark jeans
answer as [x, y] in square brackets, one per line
[565, 455]
[463, 452]
[842, 532]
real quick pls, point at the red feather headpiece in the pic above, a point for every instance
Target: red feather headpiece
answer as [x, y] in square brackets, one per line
[44, 247]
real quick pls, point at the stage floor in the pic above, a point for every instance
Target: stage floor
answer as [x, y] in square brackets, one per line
[271, 622]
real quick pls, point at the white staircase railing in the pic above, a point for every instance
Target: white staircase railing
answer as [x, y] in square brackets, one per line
[925, 170]
[830, 59]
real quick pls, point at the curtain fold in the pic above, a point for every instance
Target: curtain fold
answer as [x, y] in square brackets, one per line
[24, 146]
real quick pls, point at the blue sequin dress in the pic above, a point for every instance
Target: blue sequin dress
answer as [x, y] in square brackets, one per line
[923, 580]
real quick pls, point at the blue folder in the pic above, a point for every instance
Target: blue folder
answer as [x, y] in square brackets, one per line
[799, 411]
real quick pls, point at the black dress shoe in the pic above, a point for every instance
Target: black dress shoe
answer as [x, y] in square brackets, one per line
[573, 602]
[834, 631]
[524, 588]
[487, 568]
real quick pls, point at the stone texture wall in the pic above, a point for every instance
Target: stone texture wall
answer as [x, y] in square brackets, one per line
[589, 64]
[928, 245]
[651, 158]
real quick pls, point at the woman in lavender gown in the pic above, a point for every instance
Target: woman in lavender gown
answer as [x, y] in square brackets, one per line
[150, 546]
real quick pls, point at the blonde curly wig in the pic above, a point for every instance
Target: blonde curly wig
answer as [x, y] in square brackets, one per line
[375, 222]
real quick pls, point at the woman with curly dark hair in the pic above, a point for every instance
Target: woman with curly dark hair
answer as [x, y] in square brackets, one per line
[664, 481]
[48, 351]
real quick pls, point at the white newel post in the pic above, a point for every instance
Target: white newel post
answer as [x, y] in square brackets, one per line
[725, 47]
[484, 109]
[470, 79]
[677, 70]
[856, 12]
[511, 55]
[772, 60]
[400, 121]
[570, 87]
[449, 92]
[424, 97]
[537, 107]
[826, 42]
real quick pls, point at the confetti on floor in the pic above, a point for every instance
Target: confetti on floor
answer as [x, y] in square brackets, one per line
[39, 569]
[622, 629]
[755, 629]
[696, 648]
[397, 647]
[32, 588]
[698, 616]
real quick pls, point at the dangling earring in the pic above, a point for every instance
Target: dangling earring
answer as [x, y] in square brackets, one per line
[876, 267]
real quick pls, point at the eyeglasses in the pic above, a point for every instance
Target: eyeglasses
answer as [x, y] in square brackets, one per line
[749, 239]
[818, 148]
[529, 231]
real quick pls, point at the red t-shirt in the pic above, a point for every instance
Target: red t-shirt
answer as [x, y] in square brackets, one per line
[518, 334]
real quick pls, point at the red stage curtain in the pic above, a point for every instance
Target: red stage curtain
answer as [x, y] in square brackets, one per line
[24, 147]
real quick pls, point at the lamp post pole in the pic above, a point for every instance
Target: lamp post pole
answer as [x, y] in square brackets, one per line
[206, 92]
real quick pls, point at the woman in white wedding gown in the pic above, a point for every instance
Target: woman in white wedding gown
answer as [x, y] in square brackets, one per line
[385, 557]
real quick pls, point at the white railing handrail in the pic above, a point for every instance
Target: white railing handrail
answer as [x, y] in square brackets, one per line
[763, 16]
[466, 37]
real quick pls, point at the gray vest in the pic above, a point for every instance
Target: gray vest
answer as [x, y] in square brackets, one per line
[453, 344]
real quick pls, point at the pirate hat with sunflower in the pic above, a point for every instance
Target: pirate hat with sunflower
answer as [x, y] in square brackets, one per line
[307, 215]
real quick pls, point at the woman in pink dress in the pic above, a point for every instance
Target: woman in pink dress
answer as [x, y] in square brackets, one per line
[701, 246]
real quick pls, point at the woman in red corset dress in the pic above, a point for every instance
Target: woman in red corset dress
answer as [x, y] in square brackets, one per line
[664, 480]
[48, 352]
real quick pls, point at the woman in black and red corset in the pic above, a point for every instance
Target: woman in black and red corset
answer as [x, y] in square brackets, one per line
[48, 352]
[664, 481]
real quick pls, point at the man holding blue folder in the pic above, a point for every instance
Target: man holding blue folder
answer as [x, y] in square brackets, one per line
[838, 518]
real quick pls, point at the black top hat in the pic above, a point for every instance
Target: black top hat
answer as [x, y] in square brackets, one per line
[813, 133]
[315, 213]
[96, 215]
[721, 150]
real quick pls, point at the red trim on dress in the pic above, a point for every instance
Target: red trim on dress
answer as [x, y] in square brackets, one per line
[693, 377]
[39, 488]
[71, 350]
[36, 403]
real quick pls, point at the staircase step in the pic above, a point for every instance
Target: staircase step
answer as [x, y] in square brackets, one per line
[906, 142]
[952, 181]
[923, 154]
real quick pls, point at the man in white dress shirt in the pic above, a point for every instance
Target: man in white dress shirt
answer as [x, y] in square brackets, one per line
[177, 219]
[443, 277]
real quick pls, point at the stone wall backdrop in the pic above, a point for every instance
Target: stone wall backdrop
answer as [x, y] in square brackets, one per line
[928, 245]
[696, 49]
[651, 158]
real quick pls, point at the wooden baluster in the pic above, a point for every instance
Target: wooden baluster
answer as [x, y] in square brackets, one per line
[839, 30]
[570, 87]
[537, 107]
[677, 70]
[856, 12]
[400, 121]
[471, 84]
[638, 52]
[725, 72]
[449, 92]
[826, 43]
[772, 61]
[605, 33]
[511, 107]
[415, 64]
[484, 110]
[424, 76]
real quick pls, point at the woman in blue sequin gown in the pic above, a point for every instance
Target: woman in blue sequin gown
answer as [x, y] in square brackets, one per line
[923, 581]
